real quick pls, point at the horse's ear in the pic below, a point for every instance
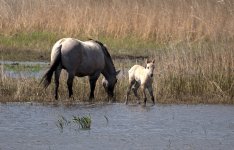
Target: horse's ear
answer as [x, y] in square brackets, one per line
[117, 72]
[153, 61]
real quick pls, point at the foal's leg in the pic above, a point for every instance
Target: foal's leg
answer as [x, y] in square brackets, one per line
[56, 80]
[144, 95]
[150, 89]
[129, 89]
[92, 83]
[69, 84]
[135, 89]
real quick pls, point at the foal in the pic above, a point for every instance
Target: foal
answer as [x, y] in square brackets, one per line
[140, 76]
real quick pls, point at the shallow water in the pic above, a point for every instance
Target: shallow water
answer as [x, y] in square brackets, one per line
[30, 72]
[26, 126]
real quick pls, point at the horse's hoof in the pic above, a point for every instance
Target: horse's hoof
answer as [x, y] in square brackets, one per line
[72, 98]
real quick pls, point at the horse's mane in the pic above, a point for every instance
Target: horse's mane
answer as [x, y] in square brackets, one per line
[105, 51]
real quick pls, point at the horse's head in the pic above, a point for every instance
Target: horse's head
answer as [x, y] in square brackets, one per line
[150, 67]
[109, 85]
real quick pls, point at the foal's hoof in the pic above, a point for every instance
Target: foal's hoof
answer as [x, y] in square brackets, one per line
[91, 99]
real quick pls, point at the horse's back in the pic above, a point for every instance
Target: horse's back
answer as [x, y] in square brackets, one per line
[80, 58]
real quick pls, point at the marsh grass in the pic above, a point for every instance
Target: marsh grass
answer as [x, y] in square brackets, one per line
[29, 28]
[36, 46]
[187, 74]
[83, 122]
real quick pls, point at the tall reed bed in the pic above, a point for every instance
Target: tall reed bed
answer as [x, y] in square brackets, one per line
[157, 20]
[200, 74]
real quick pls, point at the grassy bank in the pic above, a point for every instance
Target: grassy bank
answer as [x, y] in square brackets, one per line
[36, 46]
[187, 76]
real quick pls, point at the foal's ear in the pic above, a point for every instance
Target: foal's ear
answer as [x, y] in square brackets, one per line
[147, 61]
[117, 72]
[153, 61]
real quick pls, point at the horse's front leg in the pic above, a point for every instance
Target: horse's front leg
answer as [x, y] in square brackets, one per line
[92, 83]
[69, 84]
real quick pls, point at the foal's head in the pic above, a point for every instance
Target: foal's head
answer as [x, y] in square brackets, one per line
[150, 67]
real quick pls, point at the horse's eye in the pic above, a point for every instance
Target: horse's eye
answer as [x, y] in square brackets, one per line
[147, 67]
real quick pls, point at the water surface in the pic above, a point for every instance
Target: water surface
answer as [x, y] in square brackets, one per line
[23, 69]
[26, 126]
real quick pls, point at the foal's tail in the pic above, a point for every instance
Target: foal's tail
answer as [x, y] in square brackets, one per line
[46, 79]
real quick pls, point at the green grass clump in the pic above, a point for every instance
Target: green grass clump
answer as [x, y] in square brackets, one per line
[27, 68]
[83, 122]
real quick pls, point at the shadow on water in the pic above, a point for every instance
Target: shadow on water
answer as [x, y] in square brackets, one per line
[117, 126]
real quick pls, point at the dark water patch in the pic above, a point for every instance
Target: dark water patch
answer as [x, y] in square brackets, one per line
[27, 126]
[130, 57]
[43, 63]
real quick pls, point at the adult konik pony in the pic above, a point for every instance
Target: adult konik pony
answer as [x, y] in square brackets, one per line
[81, 58]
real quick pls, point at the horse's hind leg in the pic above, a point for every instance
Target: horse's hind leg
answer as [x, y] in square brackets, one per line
[56, 80]
[129, 89]
[70, 83]
[135, 89]
[92, 83]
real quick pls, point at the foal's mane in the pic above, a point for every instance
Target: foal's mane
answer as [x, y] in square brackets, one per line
[105, 51]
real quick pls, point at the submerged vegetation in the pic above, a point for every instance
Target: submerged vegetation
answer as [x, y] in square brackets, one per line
[83, 122]
[192, 42]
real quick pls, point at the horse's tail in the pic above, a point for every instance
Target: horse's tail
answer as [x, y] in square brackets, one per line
[46, 79]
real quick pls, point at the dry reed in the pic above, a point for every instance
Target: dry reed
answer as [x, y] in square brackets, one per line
[159, 20]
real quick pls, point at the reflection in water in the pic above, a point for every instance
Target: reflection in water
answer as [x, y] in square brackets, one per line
[117, 126]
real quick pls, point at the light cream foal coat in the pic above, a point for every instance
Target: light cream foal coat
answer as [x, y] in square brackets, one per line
[140, 76]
